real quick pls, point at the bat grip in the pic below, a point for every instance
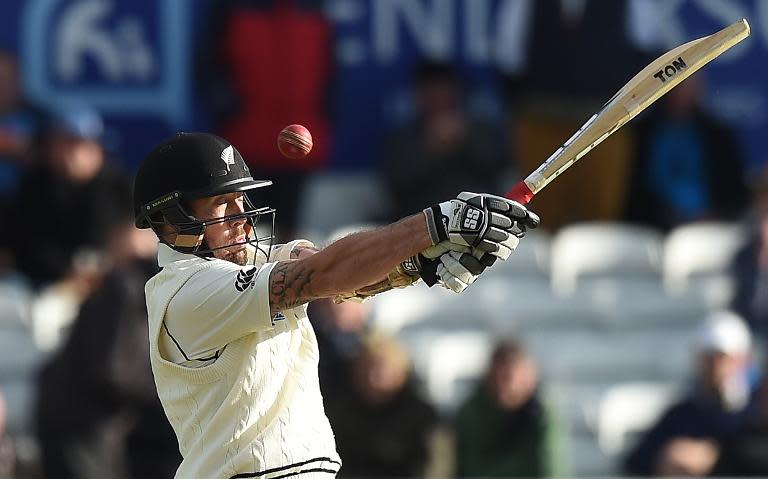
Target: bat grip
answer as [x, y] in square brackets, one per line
[521, 193]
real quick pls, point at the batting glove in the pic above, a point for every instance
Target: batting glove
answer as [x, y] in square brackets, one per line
[481, 222]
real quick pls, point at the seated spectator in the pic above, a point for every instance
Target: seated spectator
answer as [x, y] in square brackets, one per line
[382, 426]
[468, 153]
[687, 438]
[688, 167]
[749, 268]
[339, 329]
[98, 414]
[505, 428]
[68, 203]
[745, 453]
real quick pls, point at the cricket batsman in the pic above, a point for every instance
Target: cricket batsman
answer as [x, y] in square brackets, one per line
[233, 353]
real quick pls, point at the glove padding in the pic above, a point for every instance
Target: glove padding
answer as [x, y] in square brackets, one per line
[485, 223]
[456, 271]
[445, 262]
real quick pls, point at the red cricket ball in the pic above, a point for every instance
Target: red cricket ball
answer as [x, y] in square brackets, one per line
[294, 142]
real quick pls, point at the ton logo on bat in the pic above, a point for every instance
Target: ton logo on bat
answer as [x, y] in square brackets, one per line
[670, 69]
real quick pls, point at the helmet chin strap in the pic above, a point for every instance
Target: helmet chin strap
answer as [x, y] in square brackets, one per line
[192, 242]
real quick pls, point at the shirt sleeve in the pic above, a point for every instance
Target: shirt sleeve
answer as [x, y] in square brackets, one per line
[282, 252]
[218, 305]
[223, 303]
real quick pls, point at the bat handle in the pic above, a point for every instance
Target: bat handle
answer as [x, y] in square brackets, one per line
[521, 193]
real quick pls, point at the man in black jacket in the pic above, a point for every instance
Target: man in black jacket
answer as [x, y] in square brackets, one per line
[688, 166]
[68, 201]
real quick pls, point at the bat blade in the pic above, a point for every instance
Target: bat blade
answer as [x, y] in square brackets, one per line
[637, 94]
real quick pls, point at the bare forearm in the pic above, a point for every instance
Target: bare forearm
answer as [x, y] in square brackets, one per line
[349, 264]
[364, 258]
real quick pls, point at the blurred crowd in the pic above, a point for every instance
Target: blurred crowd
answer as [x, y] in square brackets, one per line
[70, 243]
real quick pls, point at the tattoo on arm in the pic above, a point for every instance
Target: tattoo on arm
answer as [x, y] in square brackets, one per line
[289, 285]
[297, 251]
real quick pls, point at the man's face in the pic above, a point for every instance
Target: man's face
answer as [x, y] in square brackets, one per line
[78, 159]
[512, 381]
[717, 369]
[379, 376]
[228, 232]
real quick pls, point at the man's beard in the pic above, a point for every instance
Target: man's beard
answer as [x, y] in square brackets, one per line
[237, 255]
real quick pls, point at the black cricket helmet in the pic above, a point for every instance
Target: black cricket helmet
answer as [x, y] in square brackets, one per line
[190, 166]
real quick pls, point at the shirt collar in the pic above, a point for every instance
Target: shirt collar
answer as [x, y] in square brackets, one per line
[167, 255]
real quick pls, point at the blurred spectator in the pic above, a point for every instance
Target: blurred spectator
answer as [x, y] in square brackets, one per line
[686, 440]
[68, 203]
[98, 414]
[20, 123]
[339, 329]
[383, 428]
[505, 428]
[468, 153]
[688, 165]
[262, 65]
[749, 268]
[542, 43]
[745, 453]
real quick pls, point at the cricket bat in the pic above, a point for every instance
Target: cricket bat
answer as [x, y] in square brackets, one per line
[642, 90]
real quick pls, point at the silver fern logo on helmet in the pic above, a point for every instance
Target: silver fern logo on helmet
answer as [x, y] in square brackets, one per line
[228, 155]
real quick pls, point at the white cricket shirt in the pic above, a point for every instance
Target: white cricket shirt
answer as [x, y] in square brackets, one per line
[239, 387]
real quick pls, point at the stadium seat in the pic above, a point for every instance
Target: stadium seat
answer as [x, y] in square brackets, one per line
[597, 250]
[15, 301]
[393, 310]
[586, 459]
[640, 302]
[578, 403]
[630, 408]
[333, 200]
[530, 259]
[20, 354]
[18, 370]
[503, 304]
[456, 363]
[696, 258]
[605, 355]
[19, 399]
[519, 303]
[448, 362]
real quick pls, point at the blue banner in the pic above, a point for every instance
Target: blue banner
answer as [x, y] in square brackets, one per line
[129, 60]
[133, 62]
